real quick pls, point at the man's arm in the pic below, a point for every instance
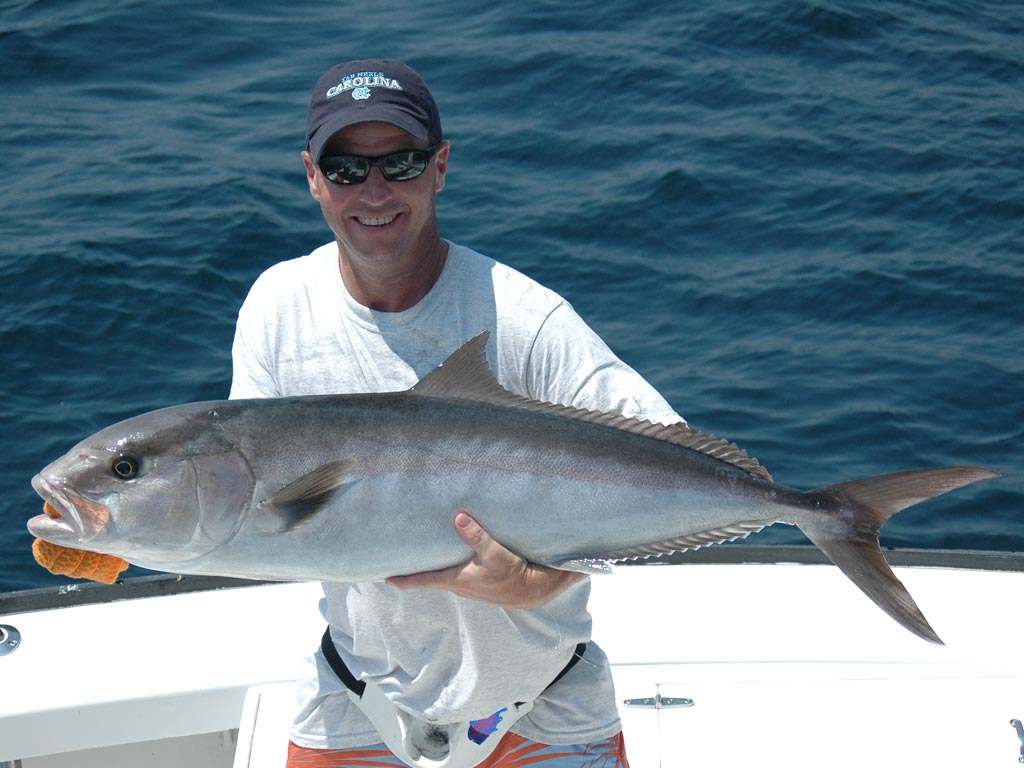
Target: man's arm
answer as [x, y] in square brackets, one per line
[493, 575]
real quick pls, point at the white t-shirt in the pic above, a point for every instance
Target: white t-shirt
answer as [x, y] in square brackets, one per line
[439, 656]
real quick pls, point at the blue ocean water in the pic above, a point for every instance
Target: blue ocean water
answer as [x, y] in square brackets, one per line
[802, 221]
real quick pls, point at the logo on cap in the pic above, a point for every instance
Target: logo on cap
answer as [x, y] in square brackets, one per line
[360, 84]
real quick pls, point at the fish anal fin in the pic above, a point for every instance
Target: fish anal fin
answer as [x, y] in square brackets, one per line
[600, 562]
[690, 541]
[588, 565]
[465, 375]
[304, 497]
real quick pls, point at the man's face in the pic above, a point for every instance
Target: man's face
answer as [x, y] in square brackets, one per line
[379, 219]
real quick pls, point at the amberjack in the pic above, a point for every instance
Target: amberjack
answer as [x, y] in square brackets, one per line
[361, 487]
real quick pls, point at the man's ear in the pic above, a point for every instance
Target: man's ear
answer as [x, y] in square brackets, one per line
[311, 173]
[441, 160]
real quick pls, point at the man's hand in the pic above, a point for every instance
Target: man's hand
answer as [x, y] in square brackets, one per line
[493, 574]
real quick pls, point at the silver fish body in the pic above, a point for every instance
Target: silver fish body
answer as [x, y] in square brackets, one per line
[361, 487]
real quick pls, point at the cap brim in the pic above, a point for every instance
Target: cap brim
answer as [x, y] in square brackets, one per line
[373, 113]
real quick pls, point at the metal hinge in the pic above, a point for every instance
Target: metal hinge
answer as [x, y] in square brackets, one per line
[10, 639]
[1020, 735]
[658, 702]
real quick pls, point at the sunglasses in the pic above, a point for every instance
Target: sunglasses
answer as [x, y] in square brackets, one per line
[403, 165]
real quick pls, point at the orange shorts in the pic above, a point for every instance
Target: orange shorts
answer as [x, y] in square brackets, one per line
[513, 751]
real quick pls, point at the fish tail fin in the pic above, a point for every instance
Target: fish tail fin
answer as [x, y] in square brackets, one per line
[850, 539]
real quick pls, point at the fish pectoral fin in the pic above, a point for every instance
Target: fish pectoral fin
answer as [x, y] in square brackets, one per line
[301, 499]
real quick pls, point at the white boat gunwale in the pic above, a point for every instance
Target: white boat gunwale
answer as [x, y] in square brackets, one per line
[138, 587]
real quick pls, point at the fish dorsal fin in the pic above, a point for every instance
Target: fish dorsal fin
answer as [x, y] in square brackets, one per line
[713, 446]
[465, 375]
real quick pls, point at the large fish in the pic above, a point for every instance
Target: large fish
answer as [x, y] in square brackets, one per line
[361, 487]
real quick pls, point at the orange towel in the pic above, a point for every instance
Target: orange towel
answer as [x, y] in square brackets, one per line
[76, 563]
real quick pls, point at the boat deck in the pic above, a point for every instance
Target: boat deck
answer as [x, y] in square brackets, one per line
[721, 663]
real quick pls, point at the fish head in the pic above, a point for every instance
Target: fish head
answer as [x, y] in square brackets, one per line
[161, 488]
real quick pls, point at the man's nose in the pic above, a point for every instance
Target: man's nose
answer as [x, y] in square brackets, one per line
[376, 185]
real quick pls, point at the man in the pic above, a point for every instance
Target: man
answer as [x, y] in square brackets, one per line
[375, 310]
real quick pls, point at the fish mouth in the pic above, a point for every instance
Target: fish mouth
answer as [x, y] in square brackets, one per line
[67, 516]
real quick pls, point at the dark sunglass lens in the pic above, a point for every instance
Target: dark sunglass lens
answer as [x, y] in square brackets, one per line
[345, 169]
[402, 166]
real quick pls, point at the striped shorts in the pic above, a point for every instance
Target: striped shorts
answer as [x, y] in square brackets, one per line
[513, 751]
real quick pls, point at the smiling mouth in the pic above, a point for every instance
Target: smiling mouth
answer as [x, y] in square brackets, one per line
[375, 221]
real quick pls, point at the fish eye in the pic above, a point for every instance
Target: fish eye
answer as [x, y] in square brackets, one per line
[125, 466]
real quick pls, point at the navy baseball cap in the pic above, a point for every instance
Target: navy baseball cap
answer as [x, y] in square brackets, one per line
[370, 91]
